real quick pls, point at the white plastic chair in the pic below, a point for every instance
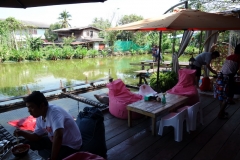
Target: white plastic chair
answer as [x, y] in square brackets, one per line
[176, 120]
[192, 115]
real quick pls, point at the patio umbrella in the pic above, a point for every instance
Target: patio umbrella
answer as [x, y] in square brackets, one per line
[183, 19]
[37, 3]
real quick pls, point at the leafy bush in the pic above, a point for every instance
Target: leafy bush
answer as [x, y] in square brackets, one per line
[167, 80]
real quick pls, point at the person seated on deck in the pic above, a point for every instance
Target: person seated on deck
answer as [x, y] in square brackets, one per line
[63, 135]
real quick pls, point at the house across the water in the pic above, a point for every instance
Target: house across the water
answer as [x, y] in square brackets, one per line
[87, 35]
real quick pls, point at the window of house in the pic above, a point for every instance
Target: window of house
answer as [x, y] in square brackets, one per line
[32, 31]
[91, 34]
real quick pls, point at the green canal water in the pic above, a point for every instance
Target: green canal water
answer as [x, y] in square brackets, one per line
[15, 78]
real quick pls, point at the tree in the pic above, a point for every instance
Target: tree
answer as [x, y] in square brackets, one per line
[101, 24]
[128, 35]
[212, 5]
[68, 40]
[129, 19]
[64, 19]
[49, 34]
[34, 43]
[10, 25]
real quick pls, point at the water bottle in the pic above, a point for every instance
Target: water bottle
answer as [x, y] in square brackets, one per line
[164, 98]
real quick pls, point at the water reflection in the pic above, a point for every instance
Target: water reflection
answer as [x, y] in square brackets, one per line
[44, 75]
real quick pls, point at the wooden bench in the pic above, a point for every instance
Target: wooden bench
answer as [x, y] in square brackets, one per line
[150, 63]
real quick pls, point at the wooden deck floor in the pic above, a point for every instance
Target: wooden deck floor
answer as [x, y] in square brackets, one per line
[216, 139]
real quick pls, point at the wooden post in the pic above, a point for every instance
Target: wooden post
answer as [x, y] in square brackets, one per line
[152, 65]
[62, 87]
[28, 90]
[142, 65]
[86, 81]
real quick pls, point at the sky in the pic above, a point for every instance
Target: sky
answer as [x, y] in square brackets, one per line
[84, 13]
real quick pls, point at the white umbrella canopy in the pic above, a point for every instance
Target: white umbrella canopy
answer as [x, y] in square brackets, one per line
[184, 19]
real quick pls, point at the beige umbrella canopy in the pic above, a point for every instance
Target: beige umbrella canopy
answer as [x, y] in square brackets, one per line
[184, 20]
[37, 3]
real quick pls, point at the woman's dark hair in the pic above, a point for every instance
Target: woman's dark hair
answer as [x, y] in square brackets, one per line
[237, 49]
[216, 53]
[37, 98]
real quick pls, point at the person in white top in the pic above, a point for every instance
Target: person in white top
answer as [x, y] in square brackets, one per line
[63, 135]
[204, 58]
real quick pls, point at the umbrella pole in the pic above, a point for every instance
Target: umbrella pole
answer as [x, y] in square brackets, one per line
[158, 68]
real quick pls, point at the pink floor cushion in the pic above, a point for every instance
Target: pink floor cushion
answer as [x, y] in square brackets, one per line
[145, 90]
[27, 123]
[119, 97]
[186, 86]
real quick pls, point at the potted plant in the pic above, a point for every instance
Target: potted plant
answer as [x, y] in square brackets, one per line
[167, 80]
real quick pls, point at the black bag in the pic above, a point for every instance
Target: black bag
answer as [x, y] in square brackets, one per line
[90, 123]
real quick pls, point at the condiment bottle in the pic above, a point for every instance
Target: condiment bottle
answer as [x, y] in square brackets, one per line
[164, 98]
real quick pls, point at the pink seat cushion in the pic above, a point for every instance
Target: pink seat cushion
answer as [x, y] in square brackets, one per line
[27, 123]
[119, 97]
[186, 86]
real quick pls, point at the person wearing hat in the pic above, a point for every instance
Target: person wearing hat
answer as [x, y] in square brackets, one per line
[63, 135]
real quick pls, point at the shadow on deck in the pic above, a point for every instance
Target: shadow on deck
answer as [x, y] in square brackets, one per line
[216, 139]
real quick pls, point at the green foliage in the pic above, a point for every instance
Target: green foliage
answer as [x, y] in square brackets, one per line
[34, 43]
[101, 24]
[35, 55]
[141, 51]
[167, 80]
[68, 40]
[80, 52]
[64, 18]
[67, 52]
[4, 53]
[210, 5]
[84, 51]
[7, 32]
[17, 55]
[133, 52]
[153, 38]
[140, 38]
[128, 35]
[54, 53]
[129, 19]
[49, 34]
[92, 53]
[104, 53]
[12, 24]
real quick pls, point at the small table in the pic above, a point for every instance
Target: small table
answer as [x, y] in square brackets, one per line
[30, 156]
[154, 108]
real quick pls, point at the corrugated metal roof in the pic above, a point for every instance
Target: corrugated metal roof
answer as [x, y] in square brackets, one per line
[75, 28]
[34, 23]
